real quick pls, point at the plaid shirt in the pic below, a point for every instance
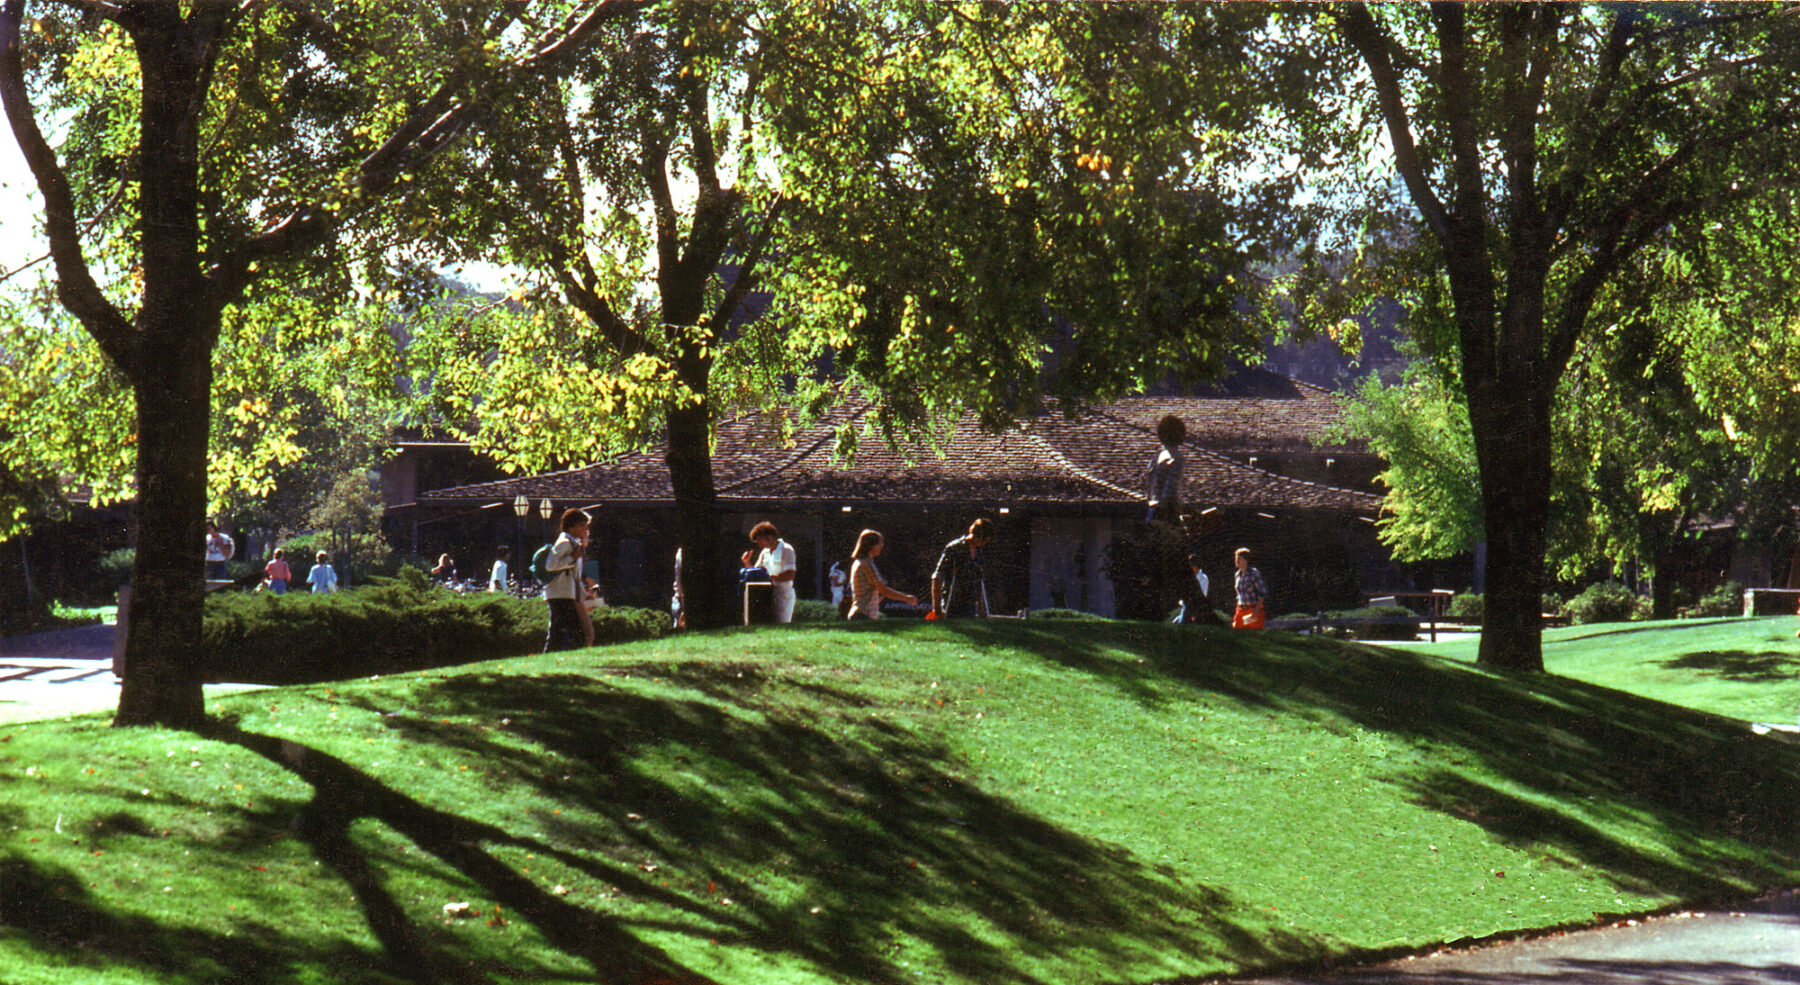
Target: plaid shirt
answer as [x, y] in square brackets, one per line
[1251, 589]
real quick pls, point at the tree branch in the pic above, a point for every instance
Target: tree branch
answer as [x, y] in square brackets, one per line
[75, 282]
[426, 131]
[1588, 135]
[1364, 35]
[574, 271]
[1468, 198]
[745, 281]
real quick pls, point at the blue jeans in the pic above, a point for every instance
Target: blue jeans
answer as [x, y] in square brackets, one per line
[565, 627]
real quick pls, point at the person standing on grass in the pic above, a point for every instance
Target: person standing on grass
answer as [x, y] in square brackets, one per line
[564, 591]
[839, 580]
[322, 577]
[866, 587]
[219, 549]
[777, 558]
[678, 596]
[957, 585]
[499, 577]
[1252, 593]
[277, 573]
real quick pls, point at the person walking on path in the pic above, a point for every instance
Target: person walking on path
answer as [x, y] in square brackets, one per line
[1252, 593]
[866, 587]
[322, 577]
[277, 573]
[499, 578]
[563, 593]
[777, 558]
[219, 549]
[958, 587]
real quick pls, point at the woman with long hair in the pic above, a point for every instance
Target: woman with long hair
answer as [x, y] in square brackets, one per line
[866, 587]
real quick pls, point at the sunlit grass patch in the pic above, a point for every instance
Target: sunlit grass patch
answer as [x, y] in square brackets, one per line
[947, 803]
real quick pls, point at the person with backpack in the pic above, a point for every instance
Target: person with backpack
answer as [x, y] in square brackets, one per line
[561, 572]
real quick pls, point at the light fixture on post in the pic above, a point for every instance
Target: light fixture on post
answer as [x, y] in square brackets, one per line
[521, 506]
[544, 510]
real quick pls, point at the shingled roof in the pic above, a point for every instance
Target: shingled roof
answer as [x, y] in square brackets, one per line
[1250, 411]
[1096, 460]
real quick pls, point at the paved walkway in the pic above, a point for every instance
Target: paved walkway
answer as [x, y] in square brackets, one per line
[1752, 943]
[62, 672]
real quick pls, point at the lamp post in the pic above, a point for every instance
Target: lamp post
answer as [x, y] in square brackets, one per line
[521, 506]
[544, 510]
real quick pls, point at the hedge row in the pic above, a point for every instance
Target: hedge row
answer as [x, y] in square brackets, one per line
[390, 626]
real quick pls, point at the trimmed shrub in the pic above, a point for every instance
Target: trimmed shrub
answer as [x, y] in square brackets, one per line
[1726, 600]
[112, 570]
[1607, 601]
[815, 610]
[1467, 606]
[391, 626]
[1071, 615]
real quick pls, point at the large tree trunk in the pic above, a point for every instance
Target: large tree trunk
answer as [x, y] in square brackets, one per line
[1515, 493]
[162, 668]
[708, 604]
[171, 381]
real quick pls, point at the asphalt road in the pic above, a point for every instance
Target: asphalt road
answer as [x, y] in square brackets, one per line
[1753, 943]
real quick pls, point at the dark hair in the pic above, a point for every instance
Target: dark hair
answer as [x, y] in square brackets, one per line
[573, 518]
[503, 552]
[865, 542]
[981, 529]
[1170, 430]
[764, 529]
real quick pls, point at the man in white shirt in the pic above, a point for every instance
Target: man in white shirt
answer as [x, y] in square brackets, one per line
[219, 549]
[777, 558]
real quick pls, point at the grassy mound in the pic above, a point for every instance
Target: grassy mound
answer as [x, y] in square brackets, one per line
[964, 802]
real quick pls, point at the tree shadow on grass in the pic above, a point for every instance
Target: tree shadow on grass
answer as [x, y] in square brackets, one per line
[842, 842]
[342, 794]
[1504, 744]
[55, 911]
[1765, 667]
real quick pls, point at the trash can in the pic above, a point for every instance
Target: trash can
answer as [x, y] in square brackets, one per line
[759, 596]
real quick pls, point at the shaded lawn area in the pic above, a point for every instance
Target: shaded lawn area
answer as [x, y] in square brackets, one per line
[1005, 802]
[1746, 668]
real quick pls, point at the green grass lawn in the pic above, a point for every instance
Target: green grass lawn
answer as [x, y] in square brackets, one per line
[1036, 802]
[1745, 668]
